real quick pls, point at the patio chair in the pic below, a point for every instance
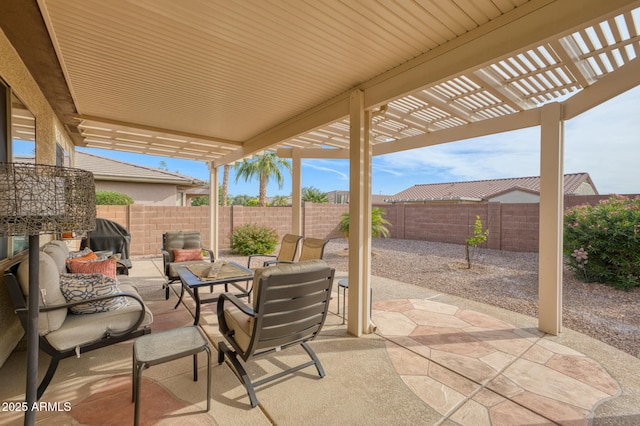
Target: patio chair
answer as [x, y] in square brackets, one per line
[184, 249]
[312, 248]
[289, 309]
[288, 251]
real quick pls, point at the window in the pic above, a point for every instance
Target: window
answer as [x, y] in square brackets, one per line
[4, 147]
[17, 144]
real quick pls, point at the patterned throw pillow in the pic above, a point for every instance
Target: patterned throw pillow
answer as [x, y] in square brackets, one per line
[77, 254]
[78, 287]
[104, 267]
[89, 256]
[184, 255]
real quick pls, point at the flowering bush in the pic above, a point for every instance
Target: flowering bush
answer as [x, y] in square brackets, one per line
[253, 239]
[602, 242]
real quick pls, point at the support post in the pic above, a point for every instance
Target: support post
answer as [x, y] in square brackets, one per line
[551, 219]
[360, 154]
[296, 191]
[214, 210]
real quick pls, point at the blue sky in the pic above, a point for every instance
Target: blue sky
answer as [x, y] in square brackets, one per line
[605, 142]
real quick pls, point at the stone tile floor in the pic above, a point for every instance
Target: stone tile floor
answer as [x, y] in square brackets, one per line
[479, 370]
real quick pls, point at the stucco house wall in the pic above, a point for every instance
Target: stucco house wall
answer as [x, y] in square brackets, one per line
[517, 197]
[143, 193]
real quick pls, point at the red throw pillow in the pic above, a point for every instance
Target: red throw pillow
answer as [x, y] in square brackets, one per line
[104, 267]
[184, 255]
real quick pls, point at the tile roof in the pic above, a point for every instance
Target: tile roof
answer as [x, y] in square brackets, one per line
[114, 170]
[481, 190]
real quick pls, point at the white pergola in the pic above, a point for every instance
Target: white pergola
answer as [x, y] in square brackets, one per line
[219, 81]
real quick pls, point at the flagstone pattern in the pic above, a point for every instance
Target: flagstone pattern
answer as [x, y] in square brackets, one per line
[476, 369]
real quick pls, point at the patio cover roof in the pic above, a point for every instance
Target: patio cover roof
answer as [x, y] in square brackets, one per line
[218, 81]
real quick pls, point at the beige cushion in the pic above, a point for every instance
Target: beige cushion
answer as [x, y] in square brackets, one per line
[49, 278]
[58, 254]
[241, 325]
[80, 329]
[63, 246]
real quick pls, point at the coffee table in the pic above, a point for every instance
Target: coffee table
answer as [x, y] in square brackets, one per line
[230, 273]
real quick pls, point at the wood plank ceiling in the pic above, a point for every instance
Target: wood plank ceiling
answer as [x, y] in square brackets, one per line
[206, 80]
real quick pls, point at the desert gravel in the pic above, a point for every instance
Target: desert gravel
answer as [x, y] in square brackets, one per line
[505, 279]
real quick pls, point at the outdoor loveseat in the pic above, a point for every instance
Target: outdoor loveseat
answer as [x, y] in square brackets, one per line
[79, 312]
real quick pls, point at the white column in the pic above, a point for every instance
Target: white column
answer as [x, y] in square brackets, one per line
[213, 208]
[551, 219]
[359, 217]
[296, 191]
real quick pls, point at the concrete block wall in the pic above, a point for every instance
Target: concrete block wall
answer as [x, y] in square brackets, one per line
[512, 227]
[519, 227]
[321, 220]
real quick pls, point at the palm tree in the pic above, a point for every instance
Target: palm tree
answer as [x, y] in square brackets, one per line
[378, 224]
[264, 166]
[313, 195]
[225, 185]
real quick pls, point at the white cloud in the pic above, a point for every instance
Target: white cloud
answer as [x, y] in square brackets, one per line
[318, 165]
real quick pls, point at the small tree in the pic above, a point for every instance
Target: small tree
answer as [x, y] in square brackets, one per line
[479, 236]
[378, 224]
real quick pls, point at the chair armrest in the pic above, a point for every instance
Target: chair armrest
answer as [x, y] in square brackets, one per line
[97, 299]
[251, 256]
[210, 253]
[166, 259]
[275, 262]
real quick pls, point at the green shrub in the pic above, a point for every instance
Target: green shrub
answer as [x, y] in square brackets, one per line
[253, 239]
[200, 201]
[111, 198]
[601, 242]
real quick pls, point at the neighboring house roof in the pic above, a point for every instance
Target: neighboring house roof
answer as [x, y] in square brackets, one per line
[482, 190]
[114, 170]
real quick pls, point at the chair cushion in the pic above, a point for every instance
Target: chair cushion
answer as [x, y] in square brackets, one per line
[185, 255]
[105, 267]
[50, 294]
[63, 246]
[58, 254]
[241, 325]
[78, 287]
[81, 329]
